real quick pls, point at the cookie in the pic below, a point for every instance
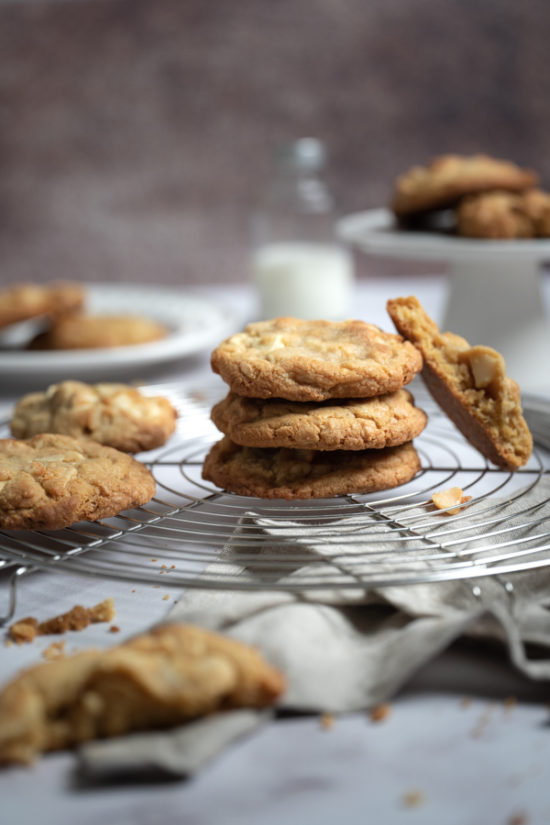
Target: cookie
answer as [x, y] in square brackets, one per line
[381, 421]
[163, 678]
[51, 481]
[25, 301]
[114, 414]
[305, 474]
[448, 178]
[96, 331]
[314, 360]
[505, 215]
[470, 385]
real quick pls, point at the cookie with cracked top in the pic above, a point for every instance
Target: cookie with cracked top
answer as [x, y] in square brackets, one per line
[25, 301]
[166, 677]
[52, 481]
[305, 474]
[349, 424]
[97, 331]
[496, 215]
[447, 178]
[315, 360]
[116, 415]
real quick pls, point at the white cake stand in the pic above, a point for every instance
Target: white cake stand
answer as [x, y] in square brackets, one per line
[494, 288]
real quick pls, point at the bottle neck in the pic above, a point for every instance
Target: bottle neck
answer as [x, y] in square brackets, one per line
[304, 192]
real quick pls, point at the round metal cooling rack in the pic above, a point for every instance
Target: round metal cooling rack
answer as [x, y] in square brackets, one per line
[200, 536]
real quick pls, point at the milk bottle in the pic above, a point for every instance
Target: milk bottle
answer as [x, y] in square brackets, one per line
[299, 267]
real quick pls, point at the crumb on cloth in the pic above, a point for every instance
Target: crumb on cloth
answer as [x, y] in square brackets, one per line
[77, 618]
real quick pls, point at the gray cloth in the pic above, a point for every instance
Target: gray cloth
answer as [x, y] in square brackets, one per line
[347, 650]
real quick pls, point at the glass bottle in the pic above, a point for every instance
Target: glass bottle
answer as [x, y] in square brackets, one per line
[299, 266]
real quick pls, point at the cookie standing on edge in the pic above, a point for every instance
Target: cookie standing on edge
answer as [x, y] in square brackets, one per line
[349, 424]
[162, 678]
[116, 415]
[52, 481]
[470, 385]
[315, 360]
[305, 474]
[448, 178]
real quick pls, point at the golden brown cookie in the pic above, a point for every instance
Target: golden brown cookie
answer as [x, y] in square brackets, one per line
[96, 331]
[505, 215]
[51, 481]
[19, 303]
[163, 678]
[293, 474]
[350, 424]
[448, 178]
[113, 414]
[314, 360]
[470, 385]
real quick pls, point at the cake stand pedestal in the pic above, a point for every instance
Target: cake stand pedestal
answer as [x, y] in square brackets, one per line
[494, 293]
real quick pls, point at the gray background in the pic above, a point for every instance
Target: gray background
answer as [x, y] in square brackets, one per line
[135, 135]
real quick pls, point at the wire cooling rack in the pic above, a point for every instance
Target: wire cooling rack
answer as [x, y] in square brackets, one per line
[203, 537]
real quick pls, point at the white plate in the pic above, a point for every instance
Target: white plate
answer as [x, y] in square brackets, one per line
[376, 232]
[194, 324]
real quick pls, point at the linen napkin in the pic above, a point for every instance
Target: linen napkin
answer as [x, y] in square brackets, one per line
[345, 650]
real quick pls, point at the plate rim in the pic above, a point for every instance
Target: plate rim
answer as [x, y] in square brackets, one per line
[363, 230]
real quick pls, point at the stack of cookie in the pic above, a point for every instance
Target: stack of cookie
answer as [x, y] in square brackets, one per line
[485, 197]
[315, 409]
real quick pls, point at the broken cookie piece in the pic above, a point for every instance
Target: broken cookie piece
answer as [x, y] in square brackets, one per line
[77, 618]
[470, 385]
[162, 678]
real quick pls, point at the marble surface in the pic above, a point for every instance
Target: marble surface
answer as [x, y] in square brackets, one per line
[456, 748]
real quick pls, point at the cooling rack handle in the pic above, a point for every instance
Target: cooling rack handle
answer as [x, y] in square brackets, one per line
[12, 595]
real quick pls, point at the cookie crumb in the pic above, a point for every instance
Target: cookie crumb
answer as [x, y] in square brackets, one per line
[482, 723]
[413, 799]
[517, 819]
[466, 702]
[326, 720]
[451, 497]
[154, 559]
[54, 651]
[166, 598]
[380, 713]
[510, 702]
[77, 618]
[25, 630]
[114, 629]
